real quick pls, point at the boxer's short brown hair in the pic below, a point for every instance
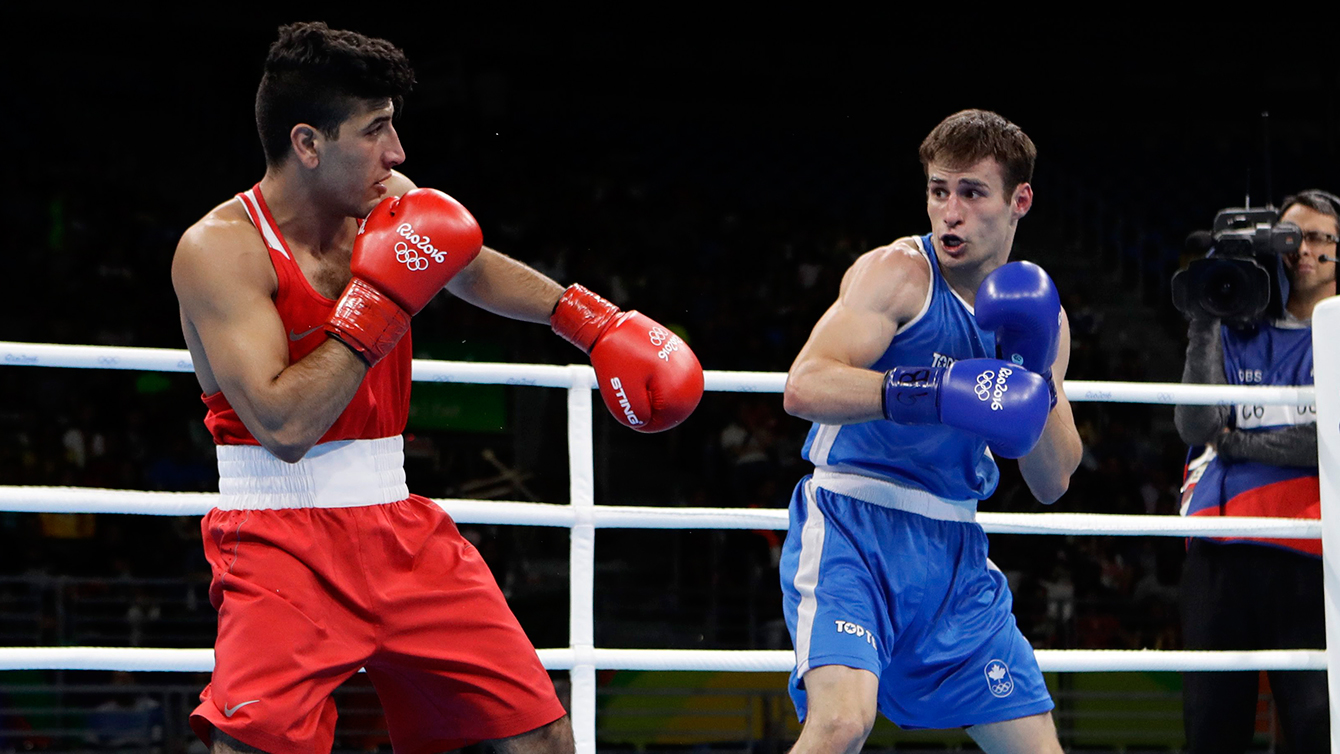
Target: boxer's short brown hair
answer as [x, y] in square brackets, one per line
[970, 136]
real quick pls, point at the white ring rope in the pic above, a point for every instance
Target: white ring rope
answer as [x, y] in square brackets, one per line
[581, 658]
[88, 500]
[540, 375]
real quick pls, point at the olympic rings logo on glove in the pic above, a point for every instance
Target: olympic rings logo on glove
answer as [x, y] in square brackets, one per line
[424, 243]
[998, 393]
[983, 388]
[665, 340]
[410, 257]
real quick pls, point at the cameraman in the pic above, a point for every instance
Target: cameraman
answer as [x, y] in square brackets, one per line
[1246, 594]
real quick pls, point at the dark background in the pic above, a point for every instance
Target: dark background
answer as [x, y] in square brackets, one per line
[717, 171]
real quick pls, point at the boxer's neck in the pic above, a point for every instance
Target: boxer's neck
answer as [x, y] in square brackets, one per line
[303, 216]
[966, 280]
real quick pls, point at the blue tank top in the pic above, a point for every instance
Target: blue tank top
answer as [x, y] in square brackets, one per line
[1268, 354]
[946, 462]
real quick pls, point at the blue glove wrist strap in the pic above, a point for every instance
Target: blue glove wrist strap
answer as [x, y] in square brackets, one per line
[911, 395]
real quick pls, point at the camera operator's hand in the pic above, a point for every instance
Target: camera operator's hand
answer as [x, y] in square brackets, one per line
[1213, 444]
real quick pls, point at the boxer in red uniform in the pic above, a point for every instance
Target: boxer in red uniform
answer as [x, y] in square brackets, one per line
[297, 318]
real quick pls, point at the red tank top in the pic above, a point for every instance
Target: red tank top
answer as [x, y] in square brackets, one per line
[380, 408]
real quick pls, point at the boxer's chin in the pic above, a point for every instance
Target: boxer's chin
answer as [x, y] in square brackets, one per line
[366, 208]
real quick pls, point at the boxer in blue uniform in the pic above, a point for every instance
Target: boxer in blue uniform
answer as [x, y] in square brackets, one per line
[936, 355]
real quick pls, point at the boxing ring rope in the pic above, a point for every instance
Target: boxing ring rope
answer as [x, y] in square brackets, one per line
[582, 516]
[508, 512]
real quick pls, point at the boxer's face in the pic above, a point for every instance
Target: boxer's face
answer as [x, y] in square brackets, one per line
[972, 218]
[1306, 272]
[355, 167]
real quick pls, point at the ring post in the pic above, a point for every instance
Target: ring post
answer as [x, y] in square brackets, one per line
[1326, 369]
[581, 602]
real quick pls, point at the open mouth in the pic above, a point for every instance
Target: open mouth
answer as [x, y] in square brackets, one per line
[951, 243]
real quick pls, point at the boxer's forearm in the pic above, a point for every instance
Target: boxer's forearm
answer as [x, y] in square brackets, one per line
[1047, 468]
[497, 283]
[829, 392]
[291, 412]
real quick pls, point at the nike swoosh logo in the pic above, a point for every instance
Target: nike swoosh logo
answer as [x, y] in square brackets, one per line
[300, 335]
[228, 711]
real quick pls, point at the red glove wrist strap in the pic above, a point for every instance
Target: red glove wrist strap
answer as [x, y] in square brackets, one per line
[581, 316]
[367, 321]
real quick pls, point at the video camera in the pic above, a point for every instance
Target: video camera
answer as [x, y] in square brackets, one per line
[1241, 279]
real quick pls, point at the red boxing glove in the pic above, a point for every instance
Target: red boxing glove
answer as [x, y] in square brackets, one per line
[648, 377]
[408, 249]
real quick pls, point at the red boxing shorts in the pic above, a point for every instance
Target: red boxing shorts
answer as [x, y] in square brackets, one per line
[307, 596]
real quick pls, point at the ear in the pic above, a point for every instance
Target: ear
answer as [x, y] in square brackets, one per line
[304, 140]
[1022, 201]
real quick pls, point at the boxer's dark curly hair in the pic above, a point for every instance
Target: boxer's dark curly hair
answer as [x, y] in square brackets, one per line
[318, 75]
[970, 136]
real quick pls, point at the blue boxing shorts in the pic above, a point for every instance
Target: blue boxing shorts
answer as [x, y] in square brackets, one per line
[893, 580]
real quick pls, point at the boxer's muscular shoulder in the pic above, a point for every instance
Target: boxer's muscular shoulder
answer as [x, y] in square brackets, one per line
[893, 280]
[222, 249]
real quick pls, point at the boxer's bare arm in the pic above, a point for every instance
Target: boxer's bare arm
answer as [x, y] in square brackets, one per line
[1048, 466]
[830, 381]
[225, 282]
[495, 282]
[499, 284]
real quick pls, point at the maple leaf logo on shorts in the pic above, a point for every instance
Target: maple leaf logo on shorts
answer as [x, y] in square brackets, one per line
[998, 678]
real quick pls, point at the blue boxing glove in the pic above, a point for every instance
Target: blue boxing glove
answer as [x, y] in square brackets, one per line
[1004, 404]
[1019, 302]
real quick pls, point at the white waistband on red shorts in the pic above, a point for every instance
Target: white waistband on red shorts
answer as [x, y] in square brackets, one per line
[343, 474]
[889, 494]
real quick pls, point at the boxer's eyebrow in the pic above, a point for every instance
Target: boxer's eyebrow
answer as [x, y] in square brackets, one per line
[379, 120]
[960, 183]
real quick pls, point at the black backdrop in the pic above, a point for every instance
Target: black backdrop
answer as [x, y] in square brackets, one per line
[683, 161]
[152, 111]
